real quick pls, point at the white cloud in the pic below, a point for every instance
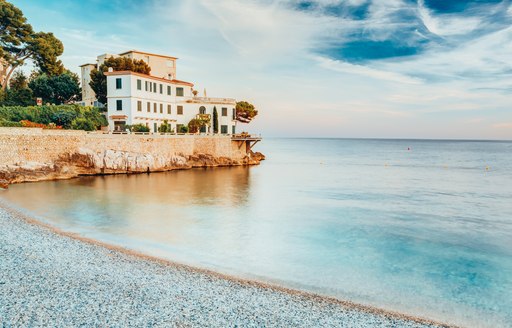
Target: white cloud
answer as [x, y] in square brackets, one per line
[446, 24]
[344, 67]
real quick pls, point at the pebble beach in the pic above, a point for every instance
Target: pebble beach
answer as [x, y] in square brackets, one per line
[53, 279]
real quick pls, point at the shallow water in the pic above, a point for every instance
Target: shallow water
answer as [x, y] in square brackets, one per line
[421, 227]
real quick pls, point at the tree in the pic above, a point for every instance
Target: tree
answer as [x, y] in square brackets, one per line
[19, 42]
[196, 124]
[99, 80]
[215, 120]
[245, 112]
[57, 89]
[18, 93]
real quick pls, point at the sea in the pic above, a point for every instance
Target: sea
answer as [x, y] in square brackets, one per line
[421, 227]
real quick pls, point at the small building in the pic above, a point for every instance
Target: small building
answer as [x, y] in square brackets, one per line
[155, 99]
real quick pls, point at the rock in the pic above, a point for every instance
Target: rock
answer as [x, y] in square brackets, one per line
[88, 162]
[4, 184]
[257, 156]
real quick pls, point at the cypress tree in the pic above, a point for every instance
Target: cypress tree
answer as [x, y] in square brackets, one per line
[215, 120]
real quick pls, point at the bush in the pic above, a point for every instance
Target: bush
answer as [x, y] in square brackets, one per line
[196, 124]
[82, 124]
[138, 128]
[165, 128]
[62, 115]
[10, 124]
[29, 124]
[183, 129]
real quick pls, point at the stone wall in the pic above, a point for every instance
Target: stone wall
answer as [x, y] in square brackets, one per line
[32, 154]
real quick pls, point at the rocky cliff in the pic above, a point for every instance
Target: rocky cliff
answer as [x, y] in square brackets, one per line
[88, 162]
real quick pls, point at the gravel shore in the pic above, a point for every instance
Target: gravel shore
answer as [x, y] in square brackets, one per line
[53, 280]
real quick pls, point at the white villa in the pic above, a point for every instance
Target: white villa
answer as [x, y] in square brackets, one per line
[153, 99]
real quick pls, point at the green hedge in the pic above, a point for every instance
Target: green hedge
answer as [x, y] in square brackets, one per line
[68, 116]
[9, 124]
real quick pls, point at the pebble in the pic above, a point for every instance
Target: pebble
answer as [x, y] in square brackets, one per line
[50, 280]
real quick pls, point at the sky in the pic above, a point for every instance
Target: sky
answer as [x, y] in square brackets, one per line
[439, 69]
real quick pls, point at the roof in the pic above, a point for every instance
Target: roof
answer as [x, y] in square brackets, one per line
[89, 64]
[149, 77]
[146, 53]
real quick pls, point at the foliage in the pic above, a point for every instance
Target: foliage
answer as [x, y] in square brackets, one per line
[165, 127]
[29, 124]
[18, 93]
[195, 124]
[47, 48]
[183, 129]
[81, 123]
[5, 123]
[99, 80]
[215, 120]
[138, 128]
[63, 115]
[245, 112]
[56, 89]
[19, 42]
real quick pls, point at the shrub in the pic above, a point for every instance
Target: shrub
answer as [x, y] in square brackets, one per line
[82, 124]
[62, 115]
[29, 124]
[196, 124]
[165, 128]
[4, 123]
[138, 128]
[183, 129]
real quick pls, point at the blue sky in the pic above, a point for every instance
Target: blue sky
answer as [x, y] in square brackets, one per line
[352, 68]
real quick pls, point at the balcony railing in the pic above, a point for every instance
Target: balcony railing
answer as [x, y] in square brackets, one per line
[211, 100]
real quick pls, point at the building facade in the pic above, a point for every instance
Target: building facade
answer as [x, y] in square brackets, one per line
[156, 99]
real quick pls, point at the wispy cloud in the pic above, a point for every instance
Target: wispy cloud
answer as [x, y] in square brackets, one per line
[344, 67]
[388, 68]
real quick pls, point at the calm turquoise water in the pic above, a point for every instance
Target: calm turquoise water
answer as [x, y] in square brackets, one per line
[421, 227]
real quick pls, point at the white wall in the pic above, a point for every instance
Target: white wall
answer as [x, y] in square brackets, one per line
[130, 96]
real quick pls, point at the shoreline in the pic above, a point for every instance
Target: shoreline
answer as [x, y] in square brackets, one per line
[170, 265]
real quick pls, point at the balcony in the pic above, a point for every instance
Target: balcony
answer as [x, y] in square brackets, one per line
[211, 100]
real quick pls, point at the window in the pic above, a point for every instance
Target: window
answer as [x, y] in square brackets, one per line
[155, 127]
[146, 84]
[161, 89]
[180, 110]
[139, 85]
[168, 90]
[139, 106]
[154, 87]
[233, 129]
[119, 83]
[224, 111]
[154, 107]
[168, 109]
[179, 92]
[149, 106]
[119, 104]
[234, 115]
[161, 108]
[150, 87]
[224, 129]
[202, 110]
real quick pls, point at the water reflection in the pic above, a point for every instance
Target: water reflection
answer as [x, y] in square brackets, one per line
[156, 207]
